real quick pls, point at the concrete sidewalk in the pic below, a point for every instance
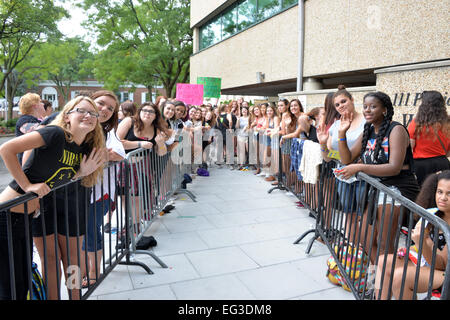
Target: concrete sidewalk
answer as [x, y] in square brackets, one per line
[234, 243]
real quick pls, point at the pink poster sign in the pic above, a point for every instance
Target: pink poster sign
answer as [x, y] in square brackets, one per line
[190, 93]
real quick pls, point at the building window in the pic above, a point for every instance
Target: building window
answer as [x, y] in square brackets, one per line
[211, 33]
[240, 16]
[124, 96]
[229, 20]
[267, 8]
[289, 3]
[74, 93]
[50, 97]
[246, 14]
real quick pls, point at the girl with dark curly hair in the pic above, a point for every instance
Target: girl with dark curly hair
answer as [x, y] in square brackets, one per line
[435, 197]
[384, 152]
[429, 132]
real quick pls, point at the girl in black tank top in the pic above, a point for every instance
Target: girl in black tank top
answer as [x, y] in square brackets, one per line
[130, 136]
[147, 118]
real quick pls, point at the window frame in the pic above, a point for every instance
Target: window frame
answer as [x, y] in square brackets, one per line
[234, 6]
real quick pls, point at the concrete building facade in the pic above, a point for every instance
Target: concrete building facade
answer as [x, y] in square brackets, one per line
[400, 47]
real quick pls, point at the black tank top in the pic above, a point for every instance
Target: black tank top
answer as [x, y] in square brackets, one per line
[405, 181]
[223, 123]
[130, 136]
[383, 156]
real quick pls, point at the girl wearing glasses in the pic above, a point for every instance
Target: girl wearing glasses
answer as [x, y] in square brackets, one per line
[148, 130]
[70, 148]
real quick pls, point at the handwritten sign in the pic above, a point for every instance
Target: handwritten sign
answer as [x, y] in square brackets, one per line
[190, 93]
[211, 86]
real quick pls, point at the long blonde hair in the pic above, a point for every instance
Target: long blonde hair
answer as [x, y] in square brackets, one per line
[94, 139]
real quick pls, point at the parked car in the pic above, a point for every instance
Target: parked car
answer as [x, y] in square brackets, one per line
[15, 107]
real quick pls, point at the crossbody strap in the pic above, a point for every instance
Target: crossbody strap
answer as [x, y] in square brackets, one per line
[439, 138]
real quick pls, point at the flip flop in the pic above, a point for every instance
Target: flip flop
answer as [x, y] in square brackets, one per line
[85, 285]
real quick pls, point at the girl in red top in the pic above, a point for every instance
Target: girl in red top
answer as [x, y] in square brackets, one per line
[429, 133]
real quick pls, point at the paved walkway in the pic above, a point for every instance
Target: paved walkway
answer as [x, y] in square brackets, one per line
[235, 243]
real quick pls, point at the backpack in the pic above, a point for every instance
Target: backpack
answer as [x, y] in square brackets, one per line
[37, 285]
[352, 267]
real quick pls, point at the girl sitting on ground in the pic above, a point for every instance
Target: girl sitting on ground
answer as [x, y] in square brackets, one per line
[436, 193]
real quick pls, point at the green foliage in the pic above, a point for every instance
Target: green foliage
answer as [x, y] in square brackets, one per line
[23, 24]
[7, 127]
[144, 41]
[62, 62]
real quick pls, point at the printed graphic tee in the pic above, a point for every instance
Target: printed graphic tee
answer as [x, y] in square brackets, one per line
[56, 162]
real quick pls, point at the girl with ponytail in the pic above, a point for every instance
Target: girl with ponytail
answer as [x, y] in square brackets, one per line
[384, 152]
[330, 141]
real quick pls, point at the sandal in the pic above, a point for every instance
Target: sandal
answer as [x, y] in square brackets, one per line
[86, 285]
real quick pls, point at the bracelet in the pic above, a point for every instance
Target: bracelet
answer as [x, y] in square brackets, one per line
[342, 139]
[139, 144]
[323, 149]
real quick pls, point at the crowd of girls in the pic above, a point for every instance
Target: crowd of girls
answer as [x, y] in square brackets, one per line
[368, 141]
[94, 129]
[373, 143]
[75, 145]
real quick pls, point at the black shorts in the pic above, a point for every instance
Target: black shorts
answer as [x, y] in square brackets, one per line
[63, 219]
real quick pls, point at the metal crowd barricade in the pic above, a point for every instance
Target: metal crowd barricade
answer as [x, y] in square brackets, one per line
[307, 193]
[143, 180]
[146, 198]
[75, 220]
[364, 226]
[378, 233]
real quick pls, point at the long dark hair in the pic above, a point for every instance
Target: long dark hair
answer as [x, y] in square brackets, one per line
[431, 112]
[159, 123]
[163, 106]
[128, 108]
[427, 195]
[299, 104]
[387, 103]
[331, 114]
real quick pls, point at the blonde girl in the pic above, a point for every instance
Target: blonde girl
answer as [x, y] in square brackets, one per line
[72, 148]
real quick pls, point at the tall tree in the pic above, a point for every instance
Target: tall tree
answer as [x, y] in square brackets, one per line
[23, 24]
[65, 59]
[154, 34]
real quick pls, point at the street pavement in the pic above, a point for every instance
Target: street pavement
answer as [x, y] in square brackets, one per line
[5, 176]
[234, 243]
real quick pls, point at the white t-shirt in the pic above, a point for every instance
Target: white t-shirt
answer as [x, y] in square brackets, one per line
[112, 142]
[351, 136]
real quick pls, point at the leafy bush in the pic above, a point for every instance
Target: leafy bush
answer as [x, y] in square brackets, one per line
[7, 126]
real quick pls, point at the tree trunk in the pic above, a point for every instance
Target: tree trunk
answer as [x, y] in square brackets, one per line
[150, 92]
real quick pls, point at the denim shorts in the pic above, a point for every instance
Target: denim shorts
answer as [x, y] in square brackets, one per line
[95, 221]
[351, 196]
